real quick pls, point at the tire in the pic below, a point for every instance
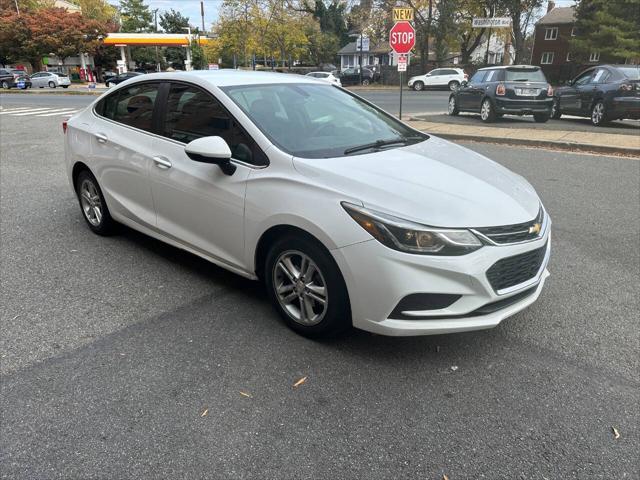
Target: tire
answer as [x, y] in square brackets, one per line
[541, 117]
[487, 112]
[288, 294]
[107, 84]
[418, 86]
[555, 109]
[65, 86]
[101, 224]
[5, 85]
[52, 85]
[599, 114]
[452, 108]
[365, 82]
[453, 85]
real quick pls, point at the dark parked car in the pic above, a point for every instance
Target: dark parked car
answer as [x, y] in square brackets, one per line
[604, 93]
[351, 76]
[121, 77]
[495, 91]
[14, 78]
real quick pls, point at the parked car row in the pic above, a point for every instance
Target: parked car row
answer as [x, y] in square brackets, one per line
[11, 78]
[602, 93]
[20, 79]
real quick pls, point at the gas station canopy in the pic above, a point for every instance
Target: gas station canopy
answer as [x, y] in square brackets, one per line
[151, 39]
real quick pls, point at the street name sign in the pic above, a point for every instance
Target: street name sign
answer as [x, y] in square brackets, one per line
[402, 37]
[493, 22]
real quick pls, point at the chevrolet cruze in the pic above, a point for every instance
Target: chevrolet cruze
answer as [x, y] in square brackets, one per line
[349, 216]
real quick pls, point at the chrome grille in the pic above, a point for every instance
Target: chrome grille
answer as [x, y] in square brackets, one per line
[520, 232]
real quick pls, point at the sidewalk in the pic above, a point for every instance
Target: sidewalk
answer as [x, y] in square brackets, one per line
[559, 139]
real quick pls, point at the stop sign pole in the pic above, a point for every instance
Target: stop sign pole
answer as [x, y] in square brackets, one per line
[402, 38]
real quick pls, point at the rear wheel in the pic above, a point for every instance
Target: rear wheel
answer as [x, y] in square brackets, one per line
[306, 287]
[52, 85]
[65, 86]
[5, 85]
[365, 82]
[541, 117]
[418, 86]
[555, 109]
[453, 106]
[599, 114]
[94, 208]
[487, 112]
[453, 85]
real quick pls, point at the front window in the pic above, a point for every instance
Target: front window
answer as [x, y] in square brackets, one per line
[318, 121]
[551, 33]
[524, 75]
[547, 58]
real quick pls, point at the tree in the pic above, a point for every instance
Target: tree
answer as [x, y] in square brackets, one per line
[14, 33]
[135, 16]
[610, 28]
[522, 13]
[172, 21]
[98, 10]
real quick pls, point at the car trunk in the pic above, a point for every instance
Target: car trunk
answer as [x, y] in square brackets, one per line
[525, 90]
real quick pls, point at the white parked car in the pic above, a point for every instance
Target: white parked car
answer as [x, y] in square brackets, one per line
[450, 78]
[49, 79]
[325, 76]
[349, 216]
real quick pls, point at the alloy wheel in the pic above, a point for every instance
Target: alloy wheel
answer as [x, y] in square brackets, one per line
[5, 85]
[300, 287]
[91, 202]
[485, 110]
[597, 113]
[418, 86]
[452, 106]
[453, 86]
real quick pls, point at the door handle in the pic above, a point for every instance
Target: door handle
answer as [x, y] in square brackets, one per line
[162, 162]
[101, 137]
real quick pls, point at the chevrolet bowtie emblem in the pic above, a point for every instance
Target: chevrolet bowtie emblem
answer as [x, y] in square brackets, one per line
[535, 228]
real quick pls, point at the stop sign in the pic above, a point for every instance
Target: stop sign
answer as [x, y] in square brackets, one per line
[402, 37]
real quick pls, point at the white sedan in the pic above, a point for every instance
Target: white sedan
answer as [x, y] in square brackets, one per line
[325, 77]
[50, 79]
[349, 216]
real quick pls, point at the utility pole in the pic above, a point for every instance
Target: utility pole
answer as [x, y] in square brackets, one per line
[202, 15]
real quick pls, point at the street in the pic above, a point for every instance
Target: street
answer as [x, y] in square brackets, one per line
[123, 357]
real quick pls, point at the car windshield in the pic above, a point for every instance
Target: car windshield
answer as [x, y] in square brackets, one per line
[632, 73]
[524, 75]
[320, 121]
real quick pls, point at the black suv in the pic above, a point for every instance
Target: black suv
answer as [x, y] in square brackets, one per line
[604, 93]
[121, 77]
[351, 76]
[495, 91]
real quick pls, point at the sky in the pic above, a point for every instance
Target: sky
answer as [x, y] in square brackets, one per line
[191, 9]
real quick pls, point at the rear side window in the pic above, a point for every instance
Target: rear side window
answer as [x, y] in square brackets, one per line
[478, 76]
[132, 106]
[192, 113]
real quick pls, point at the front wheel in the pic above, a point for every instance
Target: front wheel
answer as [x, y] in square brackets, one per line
[453, 85]
[418, 86]
[5, 85]
[599, 114]
[541, 117]
[365, 82]
[453, 106]
[94, 208]
[555, 109]
[487, 112]
[306, 287]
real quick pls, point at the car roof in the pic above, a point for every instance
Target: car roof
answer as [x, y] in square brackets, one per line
[230, 77]
[328, 73]
[504, 67]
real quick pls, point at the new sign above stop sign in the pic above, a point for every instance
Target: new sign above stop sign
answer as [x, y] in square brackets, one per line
[402, 37]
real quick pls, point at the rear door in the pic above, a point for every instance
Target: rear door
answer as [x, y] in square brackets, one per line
[121, 147]
[196, 202]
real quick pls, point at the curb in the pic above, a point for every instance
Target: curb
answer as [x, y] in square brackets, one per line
[50, 92]
[554, 145]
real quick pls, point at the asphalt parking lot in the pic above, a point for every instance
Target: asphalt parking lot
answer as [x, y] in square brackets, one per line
[123, 357]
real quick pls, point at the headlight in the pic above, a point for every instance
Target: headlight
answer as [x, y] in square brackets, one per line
[413, 237]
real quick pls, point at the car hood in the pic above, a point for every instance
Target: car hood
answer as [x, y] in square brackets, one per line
[434, 182]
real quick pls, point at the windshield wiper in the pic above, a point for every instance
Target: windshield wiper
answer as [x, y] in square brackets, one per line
[383, 143]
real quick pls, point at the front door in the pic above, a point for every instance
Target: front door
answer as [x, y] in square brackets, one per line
[196, 203]
[471, 95]
[570, 101]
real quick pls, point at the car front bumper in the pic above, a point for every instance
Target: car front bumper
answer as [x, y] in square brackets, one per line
[523, 106]
[378, 278]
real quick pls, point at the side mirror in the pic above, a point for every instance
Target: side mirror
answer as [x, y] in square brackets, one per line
[569, 82]
[212, 150]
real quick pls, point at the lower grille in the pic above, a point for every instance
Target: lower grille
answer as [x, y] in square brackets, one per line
[515, 270]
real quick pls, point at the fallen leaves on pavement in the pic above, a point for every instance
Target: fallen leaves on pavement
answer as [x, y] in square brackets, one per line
[245, 394]
[616, 434]
[300, 382]
[204, 414]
